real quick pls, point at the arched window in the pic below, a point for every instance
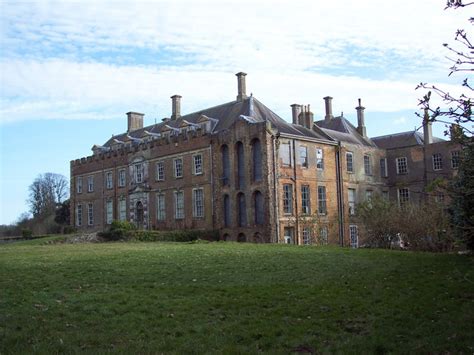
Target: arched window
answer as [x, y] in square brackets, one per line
[257, 160]
[258, 207]
[225, 165]
[242, 210]
[241, 238]
[226, 211]
[239, 149]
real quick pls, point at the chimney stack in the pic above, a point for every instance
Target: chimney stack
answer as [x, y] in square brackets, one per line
[135, 121]
[309, 118]
[328, 103]
[241, 86]
[175, 107]
[361, 120]
[295, 111]
[427, 129]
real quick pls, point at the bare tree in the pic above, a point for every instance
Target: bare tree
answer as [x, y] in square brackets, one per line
[46, 192]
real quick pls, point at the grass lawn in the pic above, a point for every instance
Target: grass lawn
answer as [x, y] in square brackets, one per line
[232, 298]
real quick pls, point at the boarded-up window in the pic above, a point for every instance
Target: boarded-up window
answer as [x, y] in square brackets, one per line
[285, 154]
[225, 165]
[242, 210]
[240, 165]
[257, 160]
[258, 206]
[226, 211]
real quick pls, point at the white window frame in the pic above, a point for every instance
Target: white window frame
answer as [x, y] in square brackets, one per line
[139, 172]
[122, 178]
[351, 200]
[455, 159]
[306, 236]
[322, 200]
[367, 164]
[90, 183]
[319, 159]
[122, 209]
[90, 214]
[350, 162]
[283, 162]
[178, 168]
[109, 210]
[402, 165]
[109, 182]
[304, 156]
[287, 199]
[79, 184]
[323, 235]
[198, 202]
[160, 207]
[437, 160]
[403, 196]
[354, 236]
[305, 199]
[79, 215]
[179, 204]
[197, 164]
[288, 234]
[160, 171]
[383, 167]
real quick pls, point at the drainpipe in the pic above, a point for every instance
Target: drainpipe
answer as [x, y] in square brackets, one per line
[340, 195]
[275, 190]
[297, 231]
[212, 188]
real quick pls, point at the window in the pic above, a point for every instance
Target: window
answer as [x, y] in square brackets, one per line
[121, 181]
[354, 236]
[79, 185]
[368, 195]
[79, 215]
[306, 236]
[319, 159]
[160, 207]
[402, 166]
[305, 199]
[350, 162]
[288, 198]
[285, 154]
[138, 173]
[304, 156]
[385, 195]
[109, 183]
[178, 168]
[455, 159]
[109, 207]
[198, 203]
[160, 171]
[242, 209]
[226, 211]
[90, 184]
[258, 207]
[257, 160]
[383, 167]
[179, 204]
[352, 201]
[323, 235]
[197, 164]
[288, 235]
[322, 208]
[367, 165]
[240, 165]
[122, 209]
[437, 161]
[225, 165]
[90, 214]
[403, 197]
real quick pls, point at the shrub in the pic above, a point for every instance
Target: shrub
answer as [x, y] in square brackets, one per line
[124, 225]
[27, 233]
[69, 230]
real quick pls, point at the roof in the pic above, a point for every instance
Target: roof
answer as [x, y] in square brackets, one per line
[340, 129]
[403, 139]
[223, 116]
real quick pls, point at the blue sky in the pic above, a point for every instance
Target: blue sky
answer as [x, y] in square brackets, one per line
[70, 71]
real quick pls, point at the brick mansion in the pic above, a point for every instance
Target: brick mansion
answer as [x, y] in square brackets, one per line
[240, 169]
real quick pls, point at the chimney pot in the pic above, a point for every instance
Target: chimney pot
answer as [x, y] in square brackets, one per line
[295, 111]
[242, 90]
[135, 121]
[328, 104]
[175, 107]
[361, 120]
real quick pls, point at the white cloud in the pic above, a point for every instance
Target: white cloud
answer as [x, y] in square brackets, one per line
[400, 120]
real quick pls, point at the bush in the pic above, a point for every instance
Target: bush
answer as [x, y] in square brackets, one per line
[69, 230]
[124, 225]
[27, 233]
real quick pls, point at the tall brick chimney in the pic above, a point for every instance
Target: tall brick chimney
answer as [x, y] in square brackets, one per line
[328, 103]
[295, 111]
[241, 86]
[135, 121]
[427, 129]
[175, 107]
[361, 120]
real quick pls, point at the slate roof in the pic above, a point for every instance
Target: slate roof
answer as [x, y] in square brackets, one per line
[340, 129]
[224, 117]
[400, 140]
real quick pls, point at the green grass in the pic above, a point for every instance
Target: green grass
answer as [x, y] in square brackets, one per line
[232, 298]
